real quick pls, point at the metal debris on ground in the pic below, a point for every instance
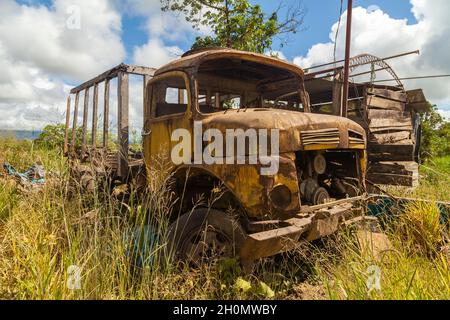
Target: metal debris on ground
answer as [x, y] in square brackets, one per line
[33, 176]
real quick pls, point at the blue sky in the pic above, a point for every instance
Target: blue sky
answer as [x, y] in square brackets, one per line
[320, 16]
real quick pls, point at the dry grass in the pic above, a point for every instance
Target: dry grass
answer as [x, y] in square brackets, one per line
[43, 233]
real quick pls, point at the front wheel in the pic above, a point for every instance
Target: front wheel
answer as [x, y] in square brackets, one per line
[204, 235]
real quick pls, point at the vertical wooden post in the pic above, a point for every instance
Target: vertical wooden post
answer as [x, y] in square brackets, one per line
[337, 97]
[106, 115]
[85, 121]
[218, 105]
[123, 129]
[94, 117]
[66, 133]
[75, 119]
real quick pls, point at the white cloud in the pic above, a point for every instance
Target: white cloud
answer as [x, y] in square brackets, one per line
[155, 53]
[40, 52]
[377, 33]
[162, 28]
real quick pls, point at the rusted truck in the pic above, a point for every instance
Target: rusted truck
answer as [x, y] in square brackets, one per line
[321, 159]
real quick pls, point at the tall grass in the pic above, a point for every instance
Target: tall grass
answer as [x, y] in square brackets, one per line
[44, 234]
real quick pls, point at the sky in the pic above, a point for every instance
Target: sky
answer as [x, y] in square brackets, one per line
[49, 46]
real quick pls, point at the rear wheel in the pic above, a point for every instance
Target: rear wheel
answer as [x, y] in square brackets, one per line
[204, 235]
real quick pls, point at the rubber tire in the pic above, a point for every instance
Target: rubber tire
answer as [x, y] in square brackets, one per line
[193, 221]
[318, 193]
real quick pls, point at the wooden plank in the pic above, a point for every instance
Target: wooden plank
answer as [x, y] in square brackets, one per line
[416, 96]
[388, 94]
[391, 114]
[94, 117]
[390, 122]
[112, 73]
[391, 137]
[106, 115]
[66, 129]
[85, 121]
[75, 119]
[381, 103]
[123, 132]
[337, 97]
[374, 130]
[409, 168]
[390, 152]
[139, 70]
[420, 107]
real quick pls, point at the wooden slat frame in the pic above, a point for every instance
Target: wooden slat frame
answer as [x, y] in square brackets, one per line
[85, 121]
[75, 119]
[66, 132]
[106, 114]
[112, 73]
[123, 126]
[122, 73]
[94, 117]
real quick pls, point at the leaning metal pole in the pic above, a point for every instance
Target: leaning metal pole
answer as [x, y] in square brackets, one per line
[347, 59]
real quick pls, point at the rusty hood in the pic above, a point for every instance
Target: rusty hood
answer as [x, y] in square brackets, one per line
[297, 130]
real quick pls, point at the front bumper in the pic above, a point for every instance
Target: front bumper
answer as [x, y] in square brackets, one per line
[310, 224]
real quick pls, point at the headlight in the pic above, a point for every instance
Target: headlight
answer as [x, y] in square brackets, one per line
[281, 196]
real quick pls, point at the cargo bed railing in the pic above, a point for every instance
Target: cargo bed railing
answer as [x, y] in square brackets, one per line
[121, 72]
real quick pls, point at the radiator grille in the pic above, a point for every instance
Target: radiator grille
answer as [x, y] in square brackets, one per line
[355, 137]
[324, 136]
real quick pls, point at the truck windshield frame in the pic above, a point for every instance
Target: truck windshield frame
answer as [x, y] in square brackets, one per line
[233, 84]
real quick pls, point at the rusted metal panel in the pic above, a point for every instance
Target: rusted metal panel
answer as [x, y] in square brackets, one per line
[290, 123]
[195, 59]
[321, 222]
[146, 101]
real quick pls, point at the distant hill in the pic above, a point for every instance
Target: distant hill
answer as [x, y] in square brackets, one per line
[20, 134]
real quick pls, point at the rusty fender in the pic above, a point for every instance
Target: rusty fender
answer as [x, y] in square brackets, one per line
[310, 224]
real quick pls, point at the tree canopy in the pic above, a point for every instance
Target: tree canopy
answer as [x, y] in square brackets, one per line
[237, 24]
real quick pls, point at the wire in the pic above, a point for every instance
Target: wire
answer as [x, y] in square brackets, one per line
[337, 31]
[414, 78]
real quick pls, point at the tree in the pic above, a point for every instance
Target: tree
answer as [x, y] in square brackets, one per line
[435, 134]
[52, 136]
[237, 24]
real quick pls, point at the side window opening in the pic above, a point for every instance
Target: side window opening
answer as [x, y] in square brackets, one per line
[169, 97]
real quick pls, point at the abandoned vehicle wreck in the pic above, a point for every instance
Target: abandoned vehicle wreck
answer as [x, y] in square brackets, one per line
[322, 158]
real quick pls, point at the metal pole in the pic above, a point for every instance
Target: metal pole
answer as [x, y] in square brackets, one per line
[347, 58]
